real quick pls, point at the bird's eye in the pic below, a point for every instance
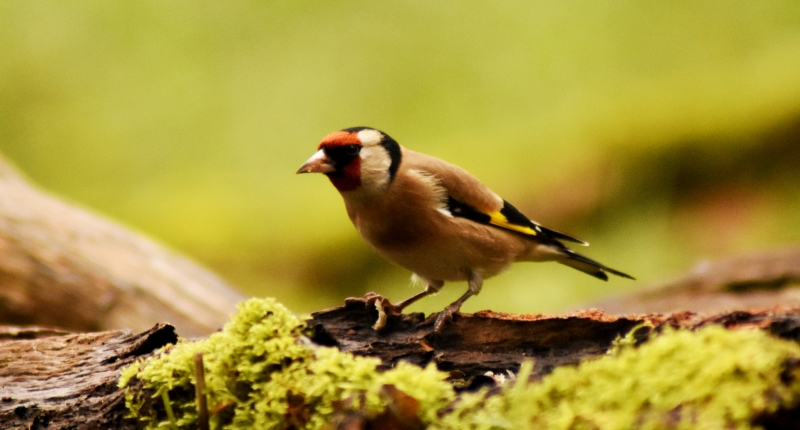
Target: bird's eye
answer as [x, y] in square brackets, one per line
[352, 150]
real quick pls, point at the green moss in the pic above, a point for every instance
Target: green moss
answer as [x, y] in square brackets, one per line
[262, 373]
[713, 378]
[260, 361]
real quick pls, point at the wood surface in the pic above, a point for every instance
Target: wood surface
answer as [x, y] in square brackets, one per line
[50, 379]
[65, 267]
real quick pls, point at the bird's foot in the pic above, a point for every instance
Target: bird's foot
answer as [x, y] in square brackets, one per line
[384, 308]
[375, 299]
[445, 317]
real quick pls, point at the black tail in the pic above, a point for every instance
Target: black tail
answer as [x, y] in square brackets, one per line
[561, 236]
[588, 266]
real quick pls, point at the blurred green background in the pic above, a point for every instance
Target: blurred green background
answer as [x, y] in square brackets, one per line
[663, 133]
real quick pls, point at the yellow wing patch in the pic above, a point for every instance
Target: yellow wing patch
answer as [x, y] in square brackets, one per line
[500, 220]
[508, 217]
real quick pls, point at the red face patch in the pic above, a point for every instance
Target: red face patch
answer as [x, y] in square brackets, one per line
[350, 177]
[347, 176]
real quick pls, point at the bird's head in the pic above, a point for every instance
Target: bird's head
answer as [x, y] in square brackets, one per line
[357, 157]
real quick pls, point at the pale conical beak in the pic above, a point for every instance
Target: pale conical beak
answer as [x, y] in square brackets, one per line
[318, 163]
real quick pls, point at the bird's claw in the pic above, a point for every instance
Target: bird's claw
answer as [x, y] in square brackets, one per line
[445, 317]
[384, 308]
[388, 307]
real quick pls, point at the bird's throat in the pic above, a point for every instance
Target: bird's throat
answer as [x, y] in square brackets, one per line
[347, 178]
[345, 183]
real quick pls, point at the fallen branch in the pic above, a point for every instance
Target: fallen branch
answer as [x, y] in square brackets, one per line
[62, 266]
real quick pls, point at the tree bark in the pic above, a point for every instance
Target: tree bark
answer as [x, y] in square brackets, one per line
[53, 380]
[494, 342]
[65, 267]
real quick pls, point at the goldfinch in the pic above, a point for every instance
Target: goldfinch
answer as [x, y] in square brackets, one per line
[434, 218]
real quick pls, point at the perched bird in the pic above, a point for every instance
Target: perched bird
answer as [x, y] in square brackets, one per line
[434, 218]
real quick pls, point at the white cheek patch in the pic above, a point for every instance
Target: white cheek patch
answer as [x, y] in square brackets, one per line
[375, 164]
[369, 137]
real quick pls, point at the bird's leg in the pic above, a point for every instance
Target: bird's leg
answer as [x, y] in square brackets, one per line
[432, 288]
[475, 285]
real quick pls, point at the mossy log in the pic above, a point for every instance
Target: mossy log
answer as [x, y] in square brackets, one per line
[62, 266]
[49, 379]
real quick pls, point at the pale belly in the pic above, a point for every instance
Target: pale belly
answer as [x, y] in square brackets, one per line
[449, 251]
